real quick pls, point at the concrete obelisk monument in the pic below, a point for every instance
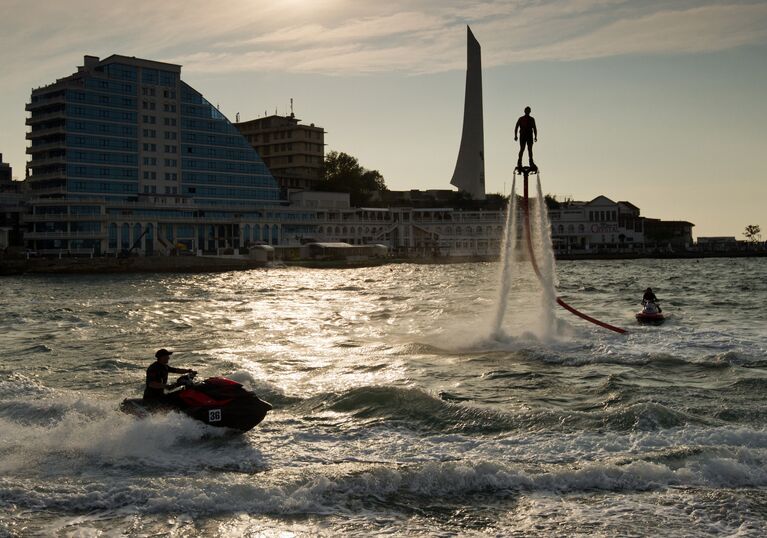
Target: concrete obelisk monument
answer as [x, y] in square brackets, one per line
[469, 174]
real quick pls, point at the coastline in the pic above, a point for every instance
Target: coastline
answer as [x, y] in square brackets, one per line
[215, 264]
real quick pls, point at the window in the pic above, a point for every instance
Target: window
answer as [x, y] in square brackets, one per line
[170, 135]
[150, 147]
[171, 149]
[151, 133]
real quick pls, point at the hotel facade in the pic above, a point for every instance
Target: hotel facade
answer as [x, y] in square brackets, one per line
[127, 157]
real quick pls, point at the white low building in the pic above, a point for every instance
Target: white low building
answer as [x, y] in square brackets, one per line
[598, 224]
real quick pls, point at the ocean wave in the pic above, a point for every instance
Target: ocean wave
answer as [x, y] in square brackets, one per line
[15, 385]
[409, 407]
[419, 410]
[39, 348]
[340, 488]
[63, 438]
[418, 349]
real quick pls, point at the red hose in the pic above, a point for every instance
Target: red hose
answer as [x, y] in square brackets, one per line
[560, 301]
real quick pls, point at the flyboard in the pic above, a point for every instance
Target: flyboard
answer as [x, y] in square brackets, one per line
[526, 171]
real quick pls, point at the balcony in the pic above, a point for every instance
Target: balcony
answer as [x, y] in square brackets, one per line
[47, 191]
[58, 144]
[65, 235]
[58, 174]
[45, 117]
[64, 217]
[43, 102]
[59, 159]
[58, 129]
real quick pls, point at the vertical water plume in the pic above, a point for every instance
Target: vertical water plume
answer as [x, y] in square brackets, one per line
[508, 251]
[544, 252]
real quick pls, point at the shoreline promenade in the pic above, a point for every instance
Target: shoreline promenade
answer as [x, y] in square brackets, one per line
[206, 264]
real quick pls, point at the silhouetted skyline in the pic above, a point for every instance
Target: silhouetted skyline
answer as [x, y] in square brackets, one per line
[658, 105]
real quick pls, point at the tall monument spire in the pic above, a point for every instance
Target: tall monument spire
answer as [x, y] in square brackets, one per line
[469, 174]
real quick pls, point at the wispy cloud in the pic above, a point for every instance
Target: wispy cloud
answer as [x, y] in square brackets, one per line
[428, 36]
[701, 29]
[366, 36]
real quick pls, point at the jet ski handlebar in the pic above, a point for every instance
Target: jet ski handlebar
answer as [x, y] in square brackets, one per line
[186, 380]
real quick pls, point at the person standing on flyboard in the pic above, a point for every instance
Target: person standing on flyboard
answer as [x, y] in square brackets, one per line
[528, 133]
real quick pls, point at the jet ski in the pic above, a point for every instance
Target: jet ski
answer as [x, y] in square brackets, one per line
[217, 401]
[650, 313]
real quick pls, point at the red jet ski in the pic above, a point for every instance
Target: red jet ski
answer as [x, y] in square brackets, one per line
[650, 313]
[217, 401]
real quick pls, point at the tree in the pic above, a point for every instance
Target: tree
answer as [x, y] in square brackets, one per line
[343, 173]
[551, 201]
[753, 233]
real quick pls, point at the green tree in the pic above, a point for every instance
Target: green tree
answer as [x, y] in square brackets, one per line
[753, 233]
[343, 173]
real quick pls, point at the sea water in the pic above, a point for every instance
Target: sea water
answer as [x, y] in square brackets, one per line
[398, 406]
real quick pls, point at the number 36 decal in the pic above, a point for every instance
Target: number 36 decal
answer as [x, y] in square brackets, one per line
[214, 415]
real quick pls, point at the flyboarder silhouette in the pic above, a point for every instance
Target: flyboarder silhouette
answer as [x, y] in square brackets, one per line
[528, 133]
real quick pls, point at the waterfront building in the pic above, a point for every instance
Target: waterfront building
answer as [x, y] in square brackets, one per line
[717, 244]
[409, 231]
[5, 173]
[669, 235]
[10, 208]
[598, 225]
[293, 152]
[128, 158]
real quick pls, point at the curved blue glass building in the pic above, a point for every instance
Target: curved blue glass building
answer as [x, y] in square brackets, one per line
[125, 156]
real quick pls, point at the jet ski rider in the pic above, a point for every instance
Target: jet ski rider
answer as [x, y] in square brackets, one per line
[649, 297]
[157, 378]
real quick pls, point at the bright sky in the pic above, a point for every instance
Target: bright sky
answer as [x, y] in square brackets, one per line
[663, 104]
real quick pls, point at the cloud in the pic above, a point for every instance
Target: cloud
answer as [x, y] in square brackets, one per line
[423, 38]
[364, 36]
[704, 29]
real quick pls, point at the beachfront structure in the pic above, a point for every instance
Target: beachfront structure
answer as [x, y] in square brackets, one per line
[603, 225]
[469, 173]
[10, 208]
[127, 157]
[415, 231]
[598, 226]
[293, 152]
[5, 172]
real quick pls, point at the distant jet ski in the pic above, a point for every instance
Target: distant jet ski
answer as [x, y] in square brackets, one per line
[650, 313]
[217, 401]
